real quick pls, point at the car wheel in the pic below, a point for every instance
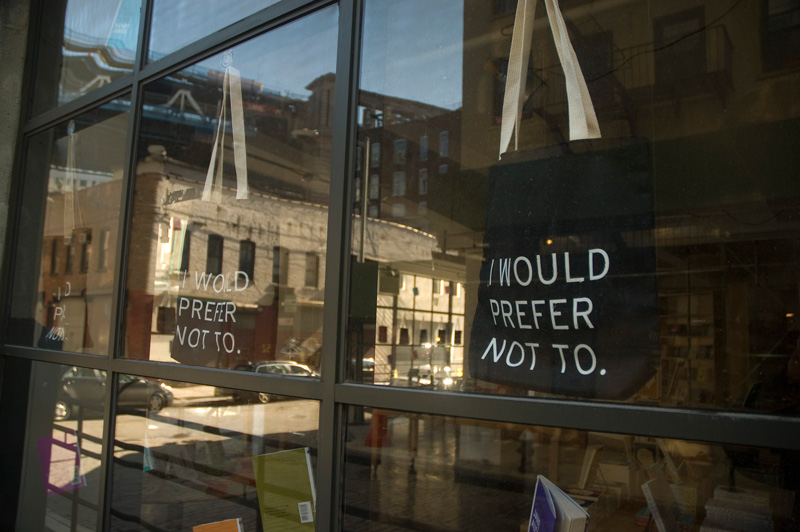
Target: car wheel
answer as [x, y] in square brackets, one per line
[63, 411]
[156, 403]
[264, 398]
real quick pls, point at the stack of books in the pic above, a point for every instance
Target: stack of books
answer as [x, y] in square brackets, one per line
[733, 509]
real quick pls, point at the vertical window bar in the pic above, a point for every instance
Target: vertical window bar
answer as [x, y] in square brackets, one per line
[120, 278]
[330, 463]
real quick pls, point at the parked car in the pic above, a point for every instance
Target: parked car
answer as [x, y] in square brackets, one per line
[84, 387]
[425, 377]
[272, 367]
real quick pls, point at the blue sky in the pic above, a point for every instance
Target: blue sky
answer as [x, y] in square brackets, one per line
[411, 48]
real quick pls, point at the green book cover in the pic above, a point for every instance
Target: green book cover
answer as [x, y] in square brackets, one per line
[287, 499]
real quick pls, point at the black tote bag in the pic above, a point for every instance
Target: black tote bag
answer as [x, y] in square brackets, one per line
[568, 295]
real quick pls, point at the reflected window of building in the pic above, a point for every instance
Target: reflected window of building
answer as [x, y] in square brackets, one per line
[400, 151]
[247, 259]
[103, 249]
[85, 242]
[443, 169]
[374, 187]
[374, 155]
[444, 144]
[312, 270]
[214, 254]
[422, 186]
[404, 338]
[186, 251]
[68, 257]
[398, 184]
[423, 148]
[279, 265]
[54, 256]
[781, 40]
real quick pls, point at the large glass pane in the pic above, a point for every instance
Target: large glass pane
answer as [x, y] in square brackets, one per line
[178, 23]
[65, 260]
[229, 226]
[83, 45]
[648, 256]
[408, 471]
[191, 458]
[62, 477]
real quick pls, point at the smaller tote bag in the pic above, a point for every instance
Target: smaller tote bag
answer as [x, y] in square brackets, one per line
[568, 295]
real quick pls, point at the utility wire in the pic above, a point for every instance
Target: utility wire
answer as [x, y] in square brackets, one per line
[664, 47]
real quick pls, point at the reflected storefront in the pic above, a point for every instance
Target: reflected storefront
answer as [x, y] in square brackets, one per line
[405, 265]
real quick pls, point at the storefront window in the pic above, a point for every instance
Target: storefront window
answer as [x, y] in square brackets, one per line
[62, 477]
[421, 472]
[64, 272]
[84, 45]
[645, 254]
[200, 455]
[233, 181]
[540, 249]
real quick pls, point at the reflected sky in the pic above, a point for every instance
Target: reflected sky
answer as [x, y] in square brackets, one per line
[412, 56]
[291, 56]
[397, 42]
[178, 23]
[103, 23]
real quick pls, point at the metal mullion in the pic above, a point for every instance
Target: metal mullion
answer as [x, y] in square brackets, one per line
[330, 463]
[238, 32]
[701, 425]
[104, 495]
[124, 220]
[300, 387]
[57, 357]
[105, 94]
[18, 167]
[143, 39]
[116, 338]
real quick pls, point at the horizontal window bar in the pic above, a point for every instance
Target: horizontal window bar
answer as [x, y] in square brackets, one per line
[711, 426]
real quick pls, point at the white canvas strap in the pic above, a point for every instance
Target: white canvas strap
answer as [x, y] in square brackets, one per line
[69, 185]
[582, 118]
[514, 97]
[231, 82]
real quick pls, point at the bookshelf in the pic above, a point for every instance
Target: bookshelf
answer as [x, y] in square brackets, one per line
[688, 349]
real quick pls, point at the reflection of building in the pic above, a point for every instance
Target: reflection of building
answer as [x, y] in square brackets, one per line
[268, 250]
[76, 283]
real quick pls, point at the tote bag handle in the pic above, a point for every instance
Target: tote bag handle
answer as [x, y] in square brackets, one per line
[582, 118]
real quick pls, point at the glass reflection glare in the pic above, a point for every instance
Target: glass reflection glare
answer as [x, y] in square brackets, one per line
[237, 191]
[191, 462]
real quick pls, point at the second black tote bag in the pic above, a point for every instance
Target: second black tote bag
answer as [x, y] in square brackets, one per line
[568, 296]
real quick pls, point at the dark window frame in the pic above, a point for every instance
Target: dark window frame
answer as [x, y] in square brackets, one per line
[215, 254]
[334, 393]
